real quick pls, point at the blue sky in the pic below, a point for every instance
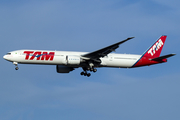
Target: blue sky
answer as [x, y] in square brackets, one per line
[37, 92]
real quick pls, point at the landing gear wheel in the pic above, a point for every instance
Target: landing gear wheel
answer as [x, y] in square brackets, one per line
[85, 74]
[16, 68]
[94, 70]
[88, 74]
[16, 64]
[82, 73]
[91, 69]
[85, 71]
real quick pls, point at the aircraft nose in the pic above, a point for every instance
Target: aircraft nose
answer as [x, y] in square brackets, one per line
[4, 56]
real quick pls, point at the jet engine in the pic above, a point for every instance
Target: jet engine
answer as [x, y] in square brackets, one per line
[63, 69]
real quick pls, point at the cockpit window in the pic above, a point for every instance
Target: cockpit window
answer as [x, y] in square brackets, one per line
[8, 54]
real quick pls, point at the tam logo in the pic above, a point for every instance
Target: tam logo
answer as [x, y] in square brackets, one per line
[155, 47]
[30, 55]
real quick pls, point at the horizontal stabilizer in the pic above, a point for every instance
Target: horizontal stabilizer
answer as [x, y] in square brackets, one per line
[163, 57]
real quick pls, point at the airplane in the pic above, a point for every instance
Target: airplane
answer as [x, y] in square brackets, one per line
[67, 61]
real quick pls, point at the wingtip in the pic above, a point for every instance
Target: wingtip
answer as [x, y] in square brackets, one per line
[130, 38]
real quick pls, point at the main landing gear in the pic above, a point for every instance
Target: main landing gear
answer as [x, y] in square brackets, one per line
[85, 73]
[88, 69]
[16, 64]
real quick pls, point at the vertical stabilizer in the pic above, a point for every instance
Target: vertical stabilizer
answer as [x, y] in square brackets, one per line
[155, 50]
[148, 58]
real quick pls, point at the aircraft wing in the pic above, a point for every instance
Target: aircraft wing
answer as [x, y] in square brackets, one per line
[104, 51]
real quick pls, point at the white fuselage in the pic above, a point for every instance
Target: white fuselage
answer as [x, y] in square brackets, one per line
[67, 61]
[60, 58]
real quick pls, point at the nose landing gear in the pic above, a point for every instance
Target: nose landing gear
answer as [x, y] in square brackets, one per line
[16, 68]
[16, 64]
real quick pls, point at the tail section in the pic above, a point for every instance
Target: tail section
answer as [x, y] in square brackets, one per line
[155, 50]
[152, 55]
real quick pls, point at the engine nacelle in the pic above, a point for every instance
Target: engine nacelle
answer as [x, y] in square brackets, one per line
[63, 69]
[73, 60]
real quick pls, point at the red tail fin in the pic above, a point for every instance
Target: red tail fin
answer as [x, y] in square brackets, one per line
[155, 50]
